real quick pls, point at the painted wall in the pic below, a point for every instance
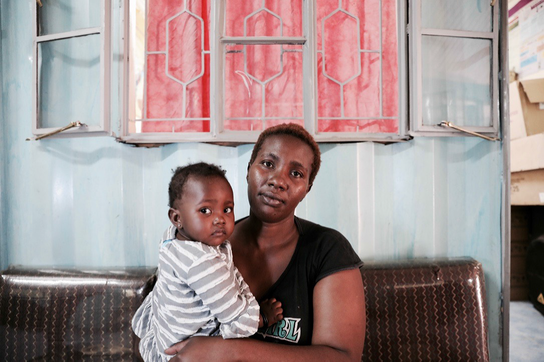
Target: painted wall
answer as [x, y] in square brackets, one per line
[3, 238]
[95, 202]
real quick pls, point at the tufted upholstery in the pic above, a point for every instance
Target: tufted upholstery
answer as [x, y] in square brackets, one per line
[70, 315]
[425, 310]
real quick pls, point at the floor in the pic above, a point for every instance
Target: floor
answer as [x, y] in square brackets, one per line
[526, 333]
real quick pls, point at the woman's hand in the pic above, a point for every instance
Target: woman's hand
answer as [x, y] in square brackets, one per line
[176, 348]
[196, 349]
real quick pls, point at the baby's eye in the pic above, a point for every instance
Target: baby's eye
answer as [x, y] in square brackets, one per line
[227, 210]
[205, 210]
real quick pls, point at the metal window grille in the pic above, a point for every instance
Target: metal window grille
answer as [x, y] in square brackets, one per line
[244, 66]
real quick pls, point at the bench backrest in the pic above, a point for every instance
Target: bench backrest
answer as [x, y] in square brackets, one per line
[70, 315]
[425, 310]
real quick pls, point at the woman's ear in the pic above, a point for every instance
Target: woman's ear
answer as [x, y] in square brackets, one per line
[175, 218]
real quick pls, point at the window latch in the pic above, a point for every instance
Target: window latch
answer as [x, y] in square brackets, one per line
[451, 125]
[62, 129]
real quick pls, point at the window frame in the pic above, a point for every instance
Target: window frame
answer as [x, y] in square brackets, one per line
[104, 30]
[415, 34]
[218, 44]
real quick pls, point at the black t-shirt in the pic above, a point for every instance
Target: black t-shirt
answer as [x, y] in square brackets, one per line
[320, 252]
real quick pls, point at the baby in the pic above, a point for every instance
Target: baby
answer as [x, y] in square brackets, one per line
[199, 291]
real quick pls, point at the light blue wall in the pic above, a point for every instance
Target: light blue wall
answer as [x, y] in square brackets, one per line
[3, 238]
[95, 202]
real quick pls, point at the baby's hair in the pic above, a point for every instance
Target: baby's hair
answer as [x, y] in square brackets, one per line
[296, 131]
[182, 174]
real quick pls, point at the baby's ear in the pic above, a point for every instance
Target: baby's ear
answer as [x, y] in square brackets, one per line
[175, 218]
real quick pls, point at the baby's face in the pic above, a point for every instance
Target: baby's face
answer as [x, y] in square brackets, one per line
[207, 210]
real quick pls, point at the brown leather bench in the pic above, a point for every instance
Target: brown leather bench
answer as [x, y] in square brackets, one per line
[419, 310]
[70, 315]
[425, 310]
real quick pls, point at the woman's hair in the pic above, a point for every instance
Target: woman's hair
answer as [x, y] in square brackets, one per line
[290, 129]
[182, 174]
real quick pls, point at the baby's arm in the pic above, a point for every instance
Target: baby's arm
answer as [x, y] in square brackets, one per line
[269, 308]
[230, 302]
[271, 312]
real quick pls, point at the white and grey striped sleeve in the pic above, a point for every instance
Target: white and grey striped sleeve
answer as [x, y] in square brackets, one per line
[218, 287]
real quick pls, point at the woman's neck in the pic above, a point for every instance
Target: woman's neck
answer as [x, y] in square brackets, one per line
[277, 234]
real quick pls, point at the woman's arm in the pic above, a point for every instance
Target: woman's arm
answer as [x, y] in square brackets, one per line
[338, 333]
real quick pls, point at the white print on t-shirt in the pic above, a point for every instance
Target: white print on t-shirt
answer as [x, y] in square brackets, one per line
[287, 330]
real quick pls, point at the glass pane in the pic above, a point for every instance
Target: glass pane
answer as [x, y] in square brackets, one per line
[362, 126]
[471, 15]
[171, 76]
[263, 84]
[166, 19]
[456, 81]
[69, 81]
[357, 74]
[264, 18]
[67, 15]
[172, 126]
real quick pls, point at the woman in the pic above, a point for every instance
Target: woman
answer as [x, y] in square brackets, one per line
[311, 270]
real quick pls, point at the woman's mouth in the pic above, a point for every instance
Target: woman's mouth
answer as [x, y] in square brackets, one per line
[271, 199]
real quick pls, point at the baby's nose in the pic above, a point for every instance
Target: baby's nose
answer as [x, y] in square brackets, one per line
[219, 220]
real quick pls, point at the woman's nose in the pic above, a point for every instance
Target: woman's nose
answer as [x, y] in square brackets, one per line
[278, 181]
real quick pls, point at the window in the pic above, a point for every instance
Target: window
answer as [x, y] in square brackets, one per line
[455, 66]
[224, 70]
[72, 66]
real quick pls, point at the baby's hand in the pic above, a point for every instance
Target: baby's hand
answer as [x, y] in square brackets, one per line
[272, 310]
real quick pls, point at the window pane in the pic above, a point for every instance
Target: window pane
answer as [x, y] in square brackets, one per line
[69, 82]
[357, 73]
[172, 126]
[67, 15]
[260, 18]
[471, 15]
[176, 93]
[456, 81]
[263, 84]
[166, 17]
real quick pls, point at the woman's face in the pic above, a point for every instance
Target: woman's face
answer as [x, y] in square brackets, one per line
[278, 179]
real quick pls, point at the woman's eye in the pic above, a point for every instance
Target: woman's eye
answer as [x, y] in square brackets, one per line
[267, 164]
[297, 174]
[205, 210]
[228, 210]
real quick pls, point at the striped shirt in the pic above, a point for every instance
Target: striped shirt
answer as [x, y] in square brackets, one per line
[199, 292]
